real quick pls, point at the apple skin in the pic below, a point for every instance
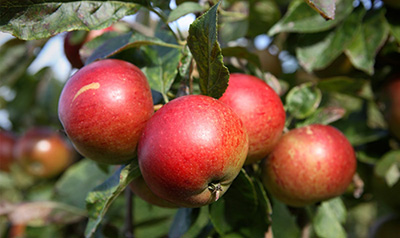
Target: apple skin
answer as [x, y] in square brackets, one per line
[7, 143]
[191, 150]
[71, 49]
[139, 187]
[103, 109]
[391, 95]
[260, 109]
[308, 165]
[43, 152]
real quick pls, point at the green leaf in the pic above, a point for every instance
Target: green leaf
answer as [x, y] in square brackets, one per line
[388, 167]
[15, 57]
[184, 9]
[149, 220]
[343, 84]
[203, 44]
[89, 48]
[243, 53]
[329, 219]
[394, 23]
[367, 42]
[237, 203]
[375, 118]
[30, 20]
[126, 41]
[233, 26]
[324, 7]
[317, 51]
[263, 15]
[162, 70]
[240, 210]
[264, 209]
[356, 130]
[186, 63]
[284, 223]
[182, 222]
[101, 197]
[218, 218]
[74, 185]
[189, 222]
[301, 18]
[303, 100]
[324, 116]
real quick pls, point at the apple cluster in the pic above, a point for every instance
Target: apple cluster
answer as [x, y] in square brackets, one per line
[191, 150]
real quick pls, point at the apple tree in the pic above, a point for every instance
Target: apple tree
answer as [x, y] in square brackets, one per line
[262, 118]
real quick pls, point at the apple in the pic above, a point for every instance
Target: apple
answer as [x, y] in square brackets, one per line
[391, 97]
[74, 40]
[140, 189]
[7, 143]
[103, 108]
[191, 150]
[260, 109]
[17, 230]
[308, 165]
[387, 226]
[43, 152]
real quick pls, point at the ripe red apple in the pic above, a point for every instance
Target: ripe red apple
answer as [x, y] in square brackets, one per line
[261, 111]
[103, 109]
[140, 189]
[43, 152]
[308, 165]
[7, 142]
[191, 150]
[74, 40]
[391, 95]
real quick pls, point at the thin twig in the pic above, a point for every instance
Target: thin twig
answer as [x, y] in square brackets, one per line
[128, 227]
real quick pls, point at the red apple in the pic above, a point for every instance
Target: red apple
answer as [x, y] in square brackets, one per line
[104, 107]
[140, 189]
[308, 165]
[43, 152]
[392, 99]
[7, 142]
[261, 111]
[75, 39]
[191, 150]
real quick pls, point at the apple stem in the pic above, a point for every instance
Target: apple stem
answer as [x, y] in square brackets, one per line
[215, 189]
[157, 107]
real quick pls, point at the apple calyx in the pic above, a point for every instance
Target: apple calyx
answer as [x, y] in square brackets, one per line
[216, 189]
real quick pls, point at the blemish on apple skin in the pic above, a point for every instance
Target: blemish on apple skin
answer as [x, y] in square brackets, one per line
[309, 131]
[291, 154]
[85, 88]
